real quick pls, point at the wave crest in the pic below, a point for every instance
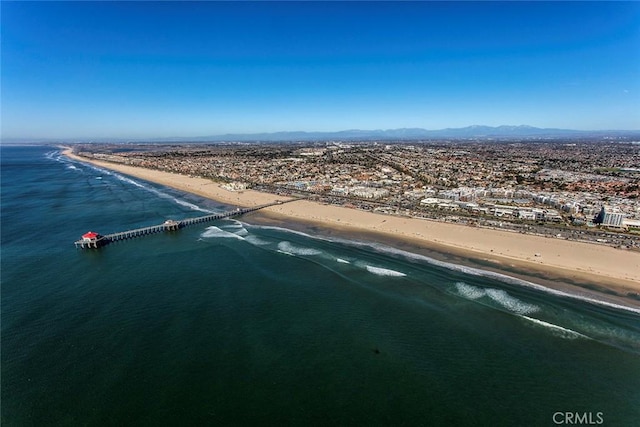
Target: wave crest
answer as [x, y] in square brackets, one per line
[213, 232]
[500, 296]
[511, 303]
[469, 292]
[287, 247]
[483, 273]
[256, 240]
[379, 271]
[556, 330]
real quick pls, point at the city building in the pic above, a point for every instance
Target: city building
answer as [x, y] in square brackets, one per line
[608, 218]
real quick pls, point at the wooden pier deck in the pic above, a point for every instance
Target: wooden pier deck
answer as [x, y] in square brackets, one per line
[95, 240]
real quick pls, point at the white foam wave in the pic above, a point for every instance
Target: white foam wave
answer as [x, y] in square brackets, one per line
[161, 194]
[557, 330]
[187, 204]
[256, 240]
[236, 228]
[287, 247]
[484, 273]
[461, 268]
[469, 292]
[56, 156]
[132, 182]
[343, 261]
[607, 332]
[498, 295]
[286, 230]
[456, 267]
[511, 303]
[515, 305]
[213, 232]
[98, 169]
[384, 271]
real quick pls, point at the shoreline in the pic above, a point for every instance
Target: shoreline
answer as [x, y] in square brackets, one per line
[606, 273]
[581, 285]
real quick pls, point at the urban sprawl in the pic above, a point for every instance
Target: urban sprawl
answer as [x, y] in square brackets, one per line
[566, 189]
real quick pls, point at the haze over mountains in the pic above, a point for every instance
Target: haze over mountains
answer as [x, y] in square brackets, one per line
[475, 131]
[468, 132]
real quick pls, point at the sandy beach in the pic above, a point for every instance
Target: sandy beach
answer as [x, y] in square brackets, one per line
[604, 266]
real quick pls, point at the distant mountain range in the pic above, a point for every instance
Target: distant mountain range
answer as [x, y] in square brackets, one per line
[469, 132]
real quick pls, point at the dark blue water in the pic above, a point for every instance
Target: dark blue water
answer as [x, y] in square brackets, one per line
[231, 323]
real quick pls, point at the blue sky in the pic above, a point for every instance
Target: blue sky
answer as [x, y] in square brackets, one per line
[136, 70]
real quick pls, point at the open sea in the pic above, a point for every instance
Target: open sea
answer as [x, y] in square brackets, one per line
[229, 323]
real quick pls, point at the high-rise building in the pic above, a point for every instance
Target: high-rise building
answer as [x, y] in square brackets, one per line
[609, 218]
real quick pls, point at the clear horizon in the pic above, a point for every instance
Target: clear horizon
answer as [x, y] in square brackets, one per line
[168, 69]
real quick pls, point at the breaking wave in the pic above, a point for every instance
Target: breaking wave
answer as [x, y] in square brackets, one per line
[286, 230]
[161, 194]
[379, 271]
[213, 232]
[556, 330]
[342, 261]
[500, 296]
[235, 227]
[57, 156]
[288, 248]
[256, 240]
[515, 306]
[483, 273]
[511, 303]
[469, 292]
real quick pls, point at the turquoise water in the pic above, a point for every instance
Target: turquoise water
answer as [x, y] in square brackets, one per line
[233, 323]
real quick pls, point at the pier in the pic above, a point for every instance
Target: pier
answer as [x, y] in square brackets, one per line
[95, 240]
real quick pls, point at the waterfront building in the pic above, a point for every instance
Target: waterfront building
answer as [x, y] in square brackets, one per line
[609, 218]
[90, 239]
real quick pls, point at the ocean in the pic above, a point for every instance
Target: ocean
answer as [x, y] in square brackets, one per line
[234, 323]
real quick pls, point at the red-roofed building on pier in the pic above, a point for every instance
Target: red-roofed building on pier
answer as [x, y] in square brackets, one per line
[91, 239]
